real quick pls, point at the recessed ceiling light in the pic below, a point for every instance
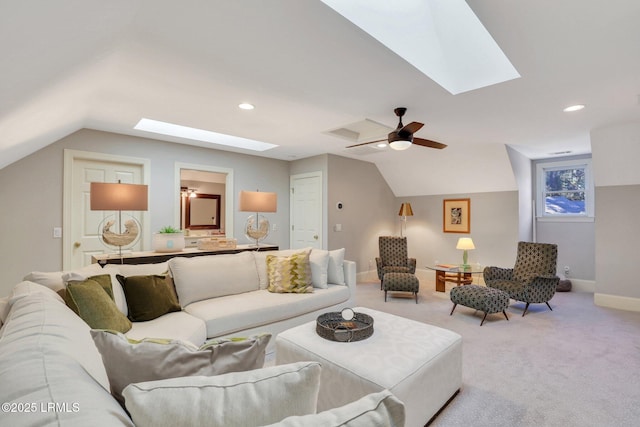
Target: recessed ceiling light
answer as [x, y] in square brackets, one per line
[246, 106]
[571, 108]
[195, 134]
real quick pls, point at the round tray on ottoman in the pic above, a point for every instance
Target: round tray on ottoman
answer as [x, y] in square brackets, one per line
[344, 326]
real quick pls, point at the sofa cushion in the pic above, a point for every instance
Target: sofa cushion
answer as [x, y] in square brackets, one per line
[380, 409]
[177, 325]
[289, 274]
[95, 307]
[212, 276]
[47, 356]
[53, 279]
[222, 317]
[258, 397]
[149, 297]
[335, 271]
[148, 360]
[27, 288]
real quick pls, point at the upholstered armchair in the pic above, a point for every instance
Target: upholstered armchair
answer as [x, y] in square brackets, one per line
[393, 257]
[533, 279]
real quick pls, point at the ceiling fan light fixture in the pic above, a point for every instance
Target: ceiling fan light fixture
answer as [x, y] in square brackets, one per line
[400, 145]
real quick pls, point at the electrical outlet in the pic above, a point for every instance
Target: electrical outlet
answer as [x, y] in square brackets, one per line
[57, 232]
[567, 271]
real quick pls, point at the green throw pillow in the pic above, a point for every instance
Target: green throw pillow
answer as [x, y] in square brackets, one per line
[289, 274]
[149, 297]
[103, 280]
[95, 307]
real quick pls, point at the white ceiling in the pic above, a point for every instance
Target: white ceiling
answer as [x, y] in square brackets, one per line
[73, 64]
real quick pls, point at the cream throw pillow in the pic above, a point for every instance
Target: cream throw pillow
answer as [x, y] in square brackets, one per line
[336, 268]
[240, 399]
[290, 274]
[132, 361]
[380, 409]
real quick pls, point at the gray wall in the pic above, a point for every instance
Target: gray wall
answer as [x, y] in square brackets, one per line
[616, 150]
[575, 240]
[494, 229]
[32, 189]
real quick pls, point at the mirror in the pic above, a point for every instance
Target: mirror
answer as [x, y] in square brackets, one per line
[202, 212]
[204, 180]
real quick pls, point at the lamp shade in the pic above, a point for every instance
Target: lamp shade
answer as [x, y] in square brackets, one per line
[119, 197]
[405, 210]
[465, 243]
[258, 201]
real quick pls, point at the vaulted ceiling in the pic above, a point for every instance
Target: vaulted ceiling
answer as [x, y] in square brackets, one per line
[73, 64]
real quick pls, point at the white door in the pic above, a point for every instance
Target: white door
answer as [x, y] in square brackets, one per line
[81, 231]
[306, 210]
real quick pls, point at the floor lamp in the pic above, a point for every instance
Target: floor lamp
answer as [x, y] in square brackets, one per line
[405, 211]
[257, 227]
[119, 197]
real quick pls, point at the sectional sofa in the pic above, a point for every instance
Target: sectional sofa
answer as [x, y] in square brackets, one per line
[223, 295]
[51, 372]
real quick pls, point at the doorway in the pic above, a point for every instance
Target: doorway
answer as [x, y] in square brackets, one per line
[306, 211]
[80, 236]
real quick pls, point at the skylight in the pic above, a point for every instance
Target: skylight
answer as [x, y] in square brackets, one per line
[443, 39]
[179, 131]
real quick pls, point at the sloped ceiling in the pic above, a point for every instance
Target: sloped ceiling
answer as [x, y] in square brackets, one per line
[73, 64]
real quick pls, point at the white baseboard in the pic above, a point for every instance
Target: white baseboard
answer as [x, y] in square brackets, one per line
[617, 302]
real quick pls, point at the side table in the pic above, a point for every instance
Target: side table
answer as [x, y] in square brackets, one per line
[454, 273]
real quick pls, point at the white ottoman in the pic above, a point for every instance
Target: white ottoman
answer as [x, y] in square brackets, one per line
[420, 364]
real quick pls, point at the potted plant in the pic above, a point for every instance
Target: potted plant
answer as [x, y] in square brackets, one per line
[168, 239]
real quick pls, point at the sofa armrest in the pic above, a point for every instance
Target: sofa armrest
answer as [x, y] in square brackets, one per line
[350, 275]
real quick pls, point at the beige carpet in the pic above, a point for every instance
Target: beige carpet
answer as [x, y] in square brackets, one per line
[578, 365]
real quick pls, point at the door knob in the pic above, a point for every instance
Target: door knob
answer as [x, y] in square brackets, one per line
[76, 244]
[315, 237]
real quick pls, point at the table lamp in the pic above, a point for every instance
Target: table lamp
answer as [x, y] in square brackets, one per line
[465, 244]
[257, 227]
[119, 197]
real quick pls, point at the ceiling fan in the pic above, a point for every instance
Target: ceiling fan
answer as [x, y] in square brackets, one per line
[402, 137]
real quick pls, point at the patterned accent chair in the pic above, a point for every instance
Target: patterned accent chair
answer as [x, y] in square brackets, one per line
[393, 257]
[533, 279]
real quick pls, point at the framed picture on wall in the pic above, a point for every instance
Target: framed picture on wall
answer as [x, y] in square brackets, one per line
[456, 215]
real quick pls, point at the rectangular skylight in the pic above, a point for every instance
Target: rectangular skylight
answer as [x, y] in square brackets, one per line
[443, 39]
[179, 131]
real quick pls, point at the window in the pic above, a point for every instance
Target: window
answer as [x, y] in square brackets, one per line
[565, 190]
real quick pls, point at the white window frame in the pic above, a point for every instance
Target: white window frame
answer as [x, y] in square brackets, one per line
[542, 168]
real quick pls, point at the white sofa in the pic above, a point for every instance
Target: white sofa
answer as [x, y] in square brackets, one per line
[226, 295]
[51, 374]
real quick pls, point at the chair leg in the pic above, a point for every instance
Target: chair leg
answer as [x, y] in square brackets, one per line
[505, 314]
[525, 309]
[385, 296]
[454, 307]
[416, 297]
[549, 306]
[485, 316]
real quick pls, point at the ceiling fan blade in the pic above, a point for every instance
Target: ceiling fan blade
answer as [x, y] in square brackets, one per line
[366, 143]
[428, 143]
[411, 128]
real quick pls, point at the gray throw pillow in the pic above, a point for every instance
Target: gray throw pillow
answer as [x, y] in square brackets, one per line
[129, 361]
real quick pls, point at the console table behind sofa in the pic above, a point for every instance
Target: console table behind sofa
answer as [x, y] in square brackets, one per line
[151, 257]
